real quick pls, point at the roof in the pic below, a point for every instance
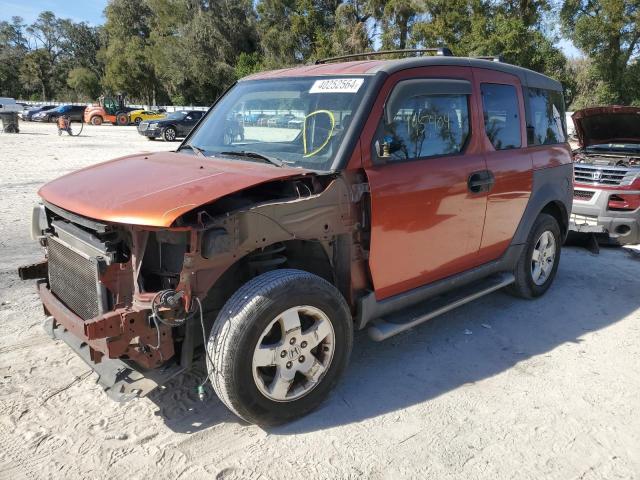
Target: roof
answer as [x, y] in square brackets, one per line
[370, 67]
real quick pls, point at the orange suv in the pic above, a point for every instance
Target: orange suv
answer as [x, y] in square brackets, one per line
[395, 191]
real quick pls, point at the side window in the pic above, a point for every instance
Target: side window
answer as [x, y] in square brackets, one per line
[501, 115]
[545, 117]
[421, 125]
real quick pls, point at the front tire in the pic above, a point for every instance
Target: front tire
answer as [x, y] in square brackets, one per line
[538, 263]
[96, 120]
[169, 134]
[279, 345]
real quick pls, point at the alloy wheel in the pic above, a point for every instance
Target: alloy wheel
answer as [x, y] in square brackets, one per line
[543, 258]
[293, 353]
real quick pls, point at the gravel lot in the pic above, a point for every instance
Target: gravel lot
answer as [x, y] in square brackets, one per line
[499, 389]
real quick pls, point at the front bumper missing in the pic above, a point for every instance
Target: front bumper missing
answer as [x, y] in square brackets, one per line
[121, 380]
[101, 341]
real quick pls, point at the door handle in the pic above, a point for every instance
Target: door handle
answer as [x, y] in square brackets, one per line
[481, 181]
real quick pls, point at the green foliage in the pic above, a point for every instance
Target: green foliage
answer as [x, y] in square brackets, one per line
[608, 32]
[84, 83]
[190, 51]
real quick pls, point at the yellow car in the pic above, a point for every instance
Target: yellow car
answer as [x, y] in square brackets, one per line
[137, 116]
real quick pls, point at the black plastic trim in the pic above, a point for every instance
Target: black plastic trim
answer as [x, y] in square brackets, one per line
[369, 308]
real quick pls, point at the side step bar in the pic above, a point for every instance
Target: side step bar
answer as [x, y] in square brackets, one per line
[391, 325]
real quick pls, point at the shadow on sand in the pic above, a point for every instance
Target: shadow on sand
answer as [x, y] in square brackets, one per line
[439, 356]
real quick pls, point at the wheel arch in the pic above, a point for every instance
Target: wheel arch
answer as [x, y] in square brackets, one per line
[305, 255]
[558, 211]
[552, 193]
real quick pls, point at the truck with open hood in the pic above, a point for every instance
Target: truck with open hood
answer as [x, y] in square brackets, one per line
[607, 172]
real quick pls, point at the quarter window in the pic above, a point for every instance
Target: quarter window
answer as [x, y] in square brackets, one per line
[426, 126]
[501, 115]
[545, 117]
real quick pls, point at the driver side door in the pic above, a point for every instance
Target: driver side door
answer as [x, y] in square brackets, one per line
[427, 214]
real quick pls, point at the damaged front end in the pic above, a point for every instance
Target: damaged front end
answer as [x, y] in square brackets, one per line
[126, 298]
[92, 287]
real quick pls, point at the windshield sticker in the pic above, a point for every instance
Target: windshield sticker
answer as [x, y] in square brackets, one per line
[337, 85]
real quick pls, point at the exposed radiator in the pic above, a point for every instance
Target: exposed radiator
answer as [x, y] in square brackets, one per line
[73, 278]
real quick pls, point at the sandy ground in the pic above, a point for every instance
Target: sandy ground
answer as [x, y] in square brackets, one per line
[499, 389]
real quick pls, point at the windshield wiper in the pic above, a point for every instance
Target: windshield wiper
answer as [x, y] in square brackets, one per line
[199, 151]
[256, 155]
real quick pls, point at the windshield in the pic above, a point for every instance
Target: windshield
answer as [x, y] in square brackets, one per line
[300, 122]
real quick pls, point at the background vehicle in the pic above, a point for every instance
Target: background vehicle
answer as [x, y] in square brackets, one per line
[412, 186]
[28, 113]
[607, 173]
[74, 112]
[108, 109]
[174, 125]
[137, 116]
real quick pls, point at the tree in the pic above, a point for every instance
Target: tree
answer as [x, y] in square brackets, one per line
[295, 31]
[13, 48]
[609, 33]
[129, 68]
[84, 83]
[351, 33]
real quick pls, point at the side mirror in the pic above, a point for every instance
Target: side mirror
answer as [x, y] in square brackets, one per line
[381, 152]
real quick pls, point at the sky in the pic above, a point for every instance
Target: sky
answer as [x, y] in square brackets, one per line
[90, 11]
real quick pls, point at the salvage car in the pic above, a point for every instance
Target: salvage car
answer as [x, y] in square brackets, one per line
[174, 125]
[74, 112]
[413, 186]
[607, 173]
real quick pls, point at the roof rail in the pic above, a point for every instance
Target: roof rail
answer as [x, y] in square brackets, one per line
[439, 51]
[493, 58]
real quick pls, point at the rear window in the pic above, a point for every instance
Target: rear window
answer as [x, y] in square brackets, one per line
[501, 115]
[545, 117]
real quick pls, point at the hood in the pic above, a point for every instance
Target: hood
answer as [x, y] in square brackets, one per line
[601, 125]
[154, 189]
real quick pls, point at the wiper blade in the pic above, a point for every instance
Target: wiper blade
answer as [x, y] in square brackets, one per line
[256, 155]
[199, 151]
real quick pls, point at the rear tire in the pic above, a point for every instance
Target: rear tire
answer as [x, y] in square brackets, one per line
[279, 345]
[538, 263]
[137, 120]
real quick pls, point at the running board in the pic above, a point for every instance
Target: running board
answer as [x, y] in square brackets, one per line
[384, 328]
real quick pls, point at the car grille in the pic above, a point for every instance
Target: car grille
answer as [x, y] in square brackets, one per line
[600, 175]
[143, 126]
[582, 194]
[73, 278]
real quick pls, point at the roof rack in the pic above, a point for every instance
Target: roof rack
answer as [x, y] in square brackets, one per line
[493, 58]
[439, 51]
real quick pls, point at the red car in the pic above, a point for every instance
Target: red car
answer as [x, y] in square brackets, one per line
[410, 187]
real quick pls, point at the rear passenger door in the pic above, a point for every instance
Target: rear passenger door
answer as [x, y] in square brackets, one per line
[508, 161]
[426, 216]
